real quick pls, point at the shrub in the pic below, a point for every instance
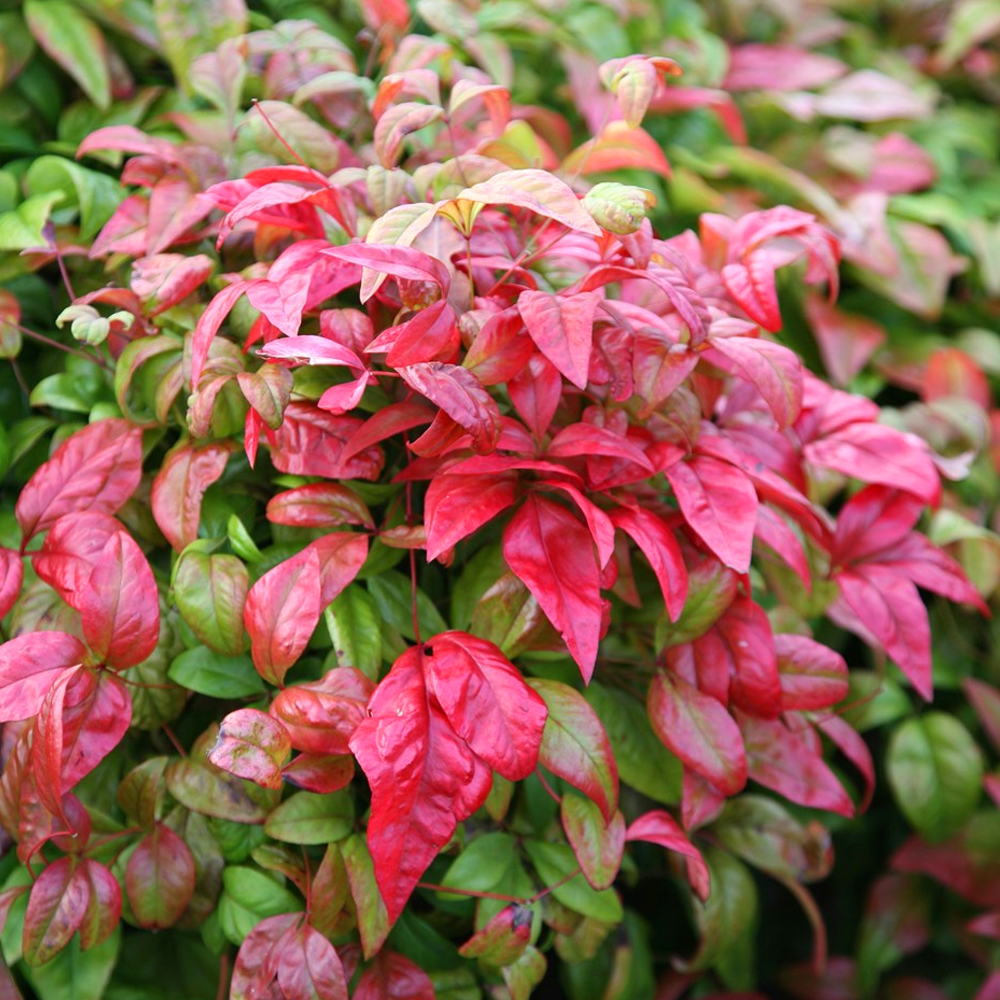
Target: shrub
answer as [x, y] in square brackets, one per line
[444, 551]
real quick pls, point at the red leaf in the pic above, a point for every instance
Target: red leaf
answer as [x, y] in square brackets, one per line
[659, 546]
[311, 442]
[563, 328]
[321, 716]
[784, 762]
[751, 285]
[163, 280]
[104, 910]
[846, 342]
[71, 550]
[284, 605]
[257, 960]
[97, 469]
[885, 609]
[812, 675]
[320, 773]
[309, 967]
[179, 486]
[393, 977]
[876, 518]
[746, 632]
[423, 776]
[311, 350]
[93, 726]
[47, 746]
[56, 908]
[617, 147]
[318, 505]
[536, 391]
[389, 421]
[852, 745]
[457, 505]
[552, 553]
[773, 369]
[486, 701]
[159, 878]
[11, 578]
[659, 827]
[461, 396]
[575, 746]
[431, 335]
[252, 744]
[120, 607]
[698, 730]
[719, 503]
[175, 206]
[29, 665]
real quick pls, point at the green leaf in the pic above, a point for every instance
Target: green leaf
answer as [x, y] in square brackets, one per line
[391, 593]
[554, 862]
[935, 771]
[64, 391]
[256, 890]
[644, 762]
[219, 676]
[210, 592]
[94, 196]
[307, 818]
[188, 28]
[74, 974]
[353, 622]
[21, 227]
[727, 921]
[483, 865]
[73, 41]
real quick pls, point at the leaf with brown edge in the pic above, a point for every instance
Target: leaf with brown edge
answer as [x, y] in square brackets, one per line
[563, 328]
[252, 745]
[159, 878]
[309, 967]
[319, 505]
[575, 746]
[659, 827]
[96, 469]
[552, 553]
[120, 607]
[699, 730]
[598, 845]
[179, 486]
[104, 908]
[392, 976]
[57, 906]
[29, 665]
[423, 776]
[486, 701]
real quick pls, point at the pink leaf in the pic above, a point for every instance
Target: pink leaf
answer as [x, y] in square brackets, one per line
[659, 827]
[773, 369]
[29, 665]
[252, 745]
[812, 675]
[11, 578]
[163, 280]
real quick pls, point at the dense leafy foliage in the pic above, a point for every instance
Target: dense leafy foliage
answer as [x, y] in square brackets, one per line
[455, 540]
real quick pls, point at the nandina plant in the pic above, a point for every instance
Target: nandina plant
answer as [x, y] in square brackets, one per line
[496, 544]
